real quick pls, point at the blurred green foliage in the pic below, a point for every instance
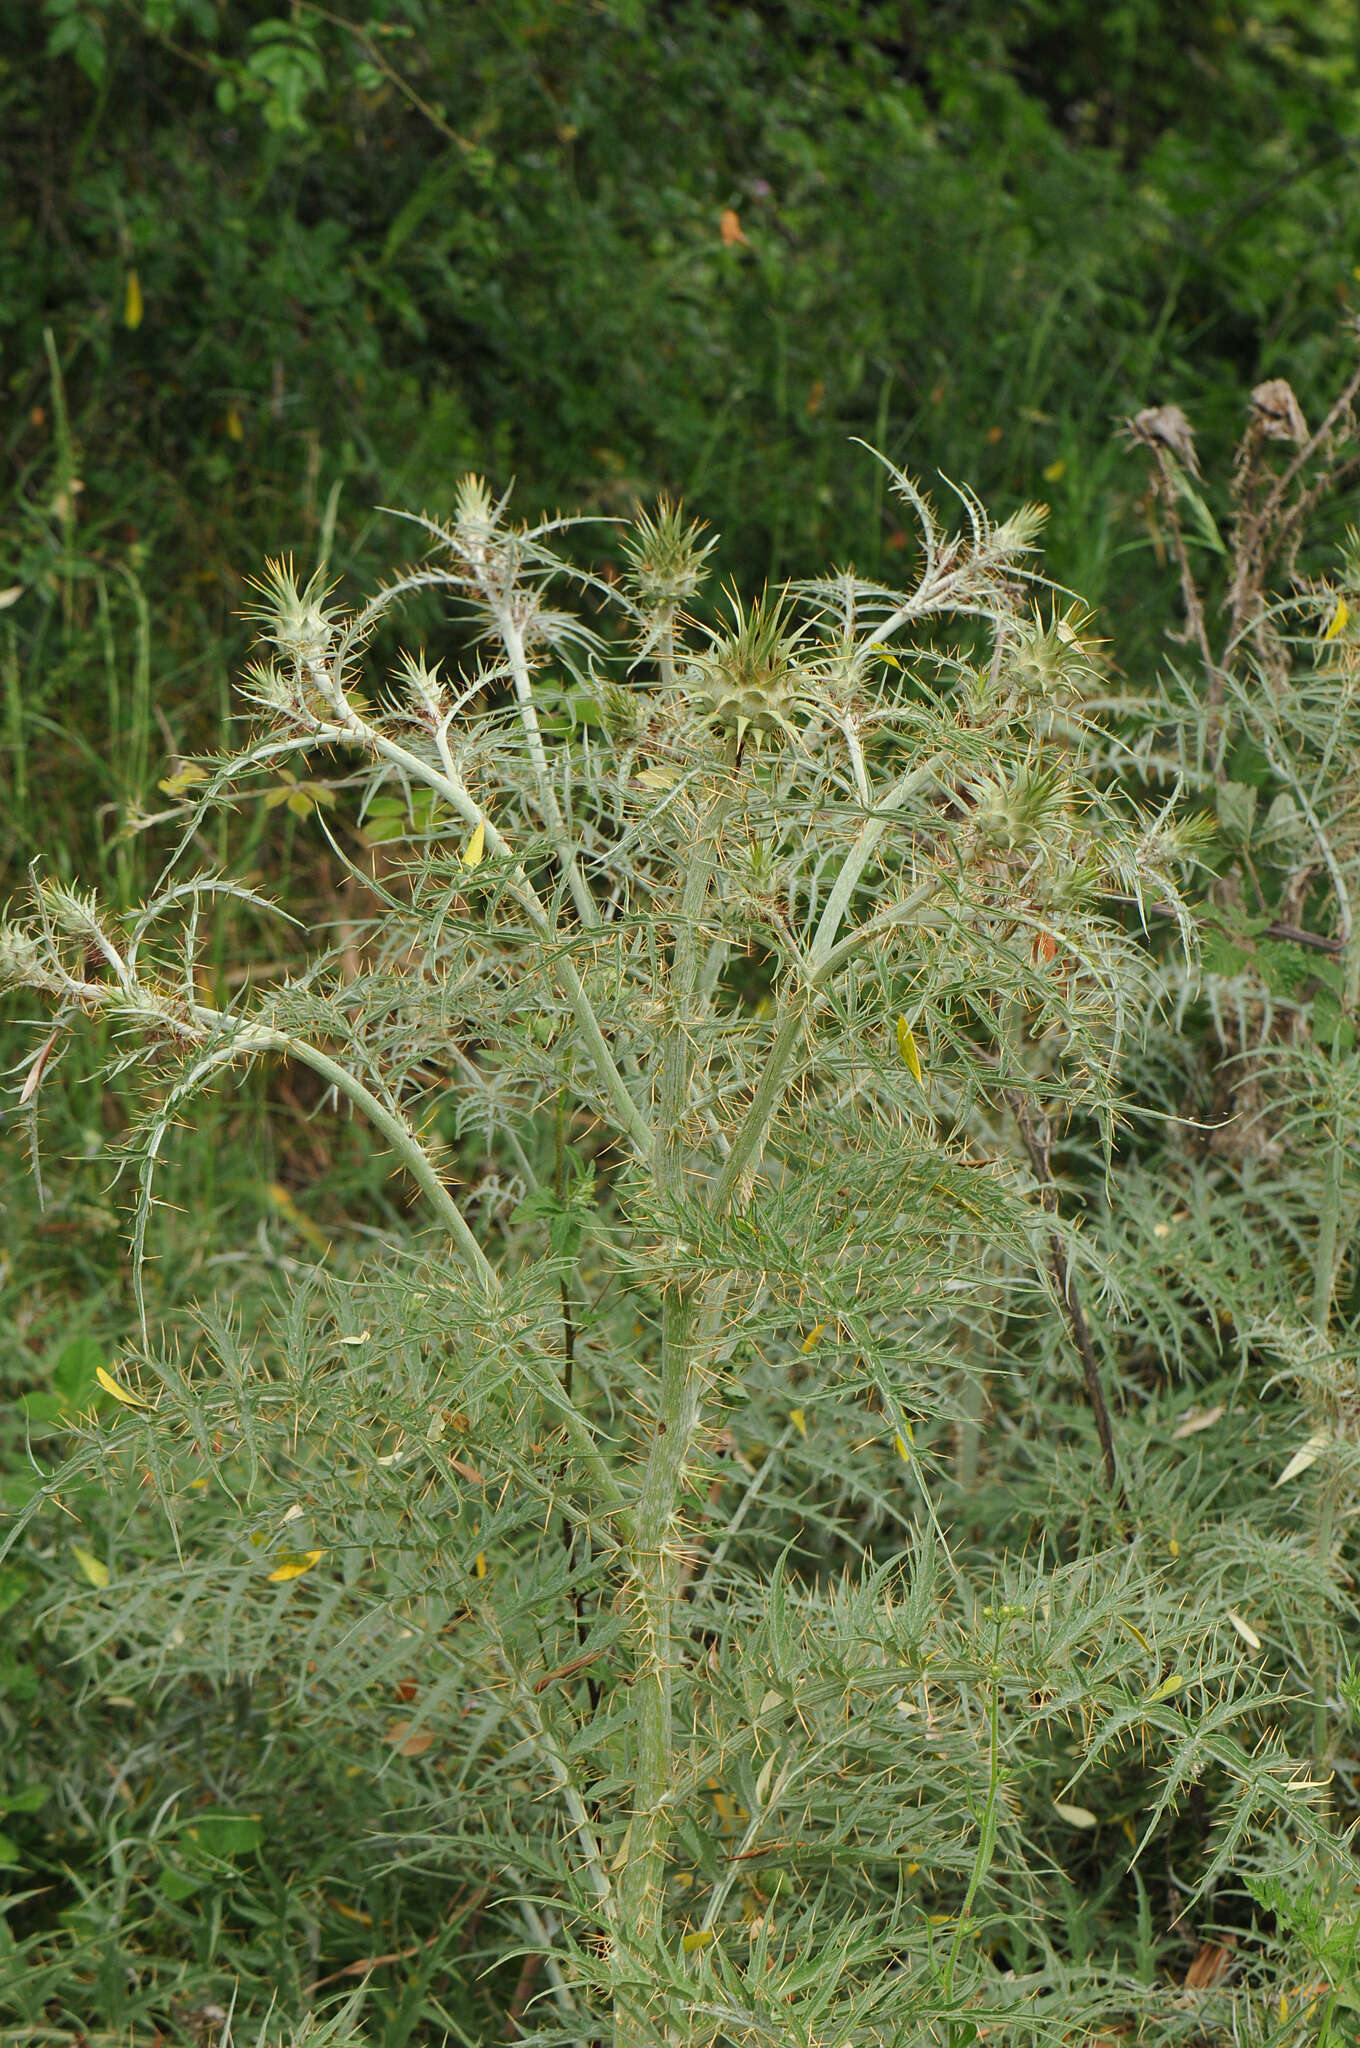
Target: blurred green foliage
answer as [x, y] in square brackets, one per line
[614, 248]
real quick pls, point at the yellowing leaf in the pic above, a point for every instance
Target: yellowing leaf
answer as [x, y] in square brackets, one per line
[123, 1394]
[1340, 619]
[475, 849]
[93, 1568]
[799, 1421]
[1076, 1816]
[1191, 1424]
[408, 1742]
[700, 1938]
[184, 778]
[902, 1445]
[479, 1564]
[1245, 1630]
[1055, 471]
[906, 1045]
[1302, 1459]
[625, 1846]
[232, 423]
[809, 1342]
[132, 301]
[1164, 1691]
[657, 778]
[1136, 1633]
[349, 1912]
[313, 1234]
[293, 1564]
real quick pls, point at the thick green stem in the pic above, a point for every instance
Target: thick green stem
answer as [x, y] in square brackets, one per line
[969, 1445]
[860, 854]
[986, 1847]
[825, 957]
[450, 785]
[749, 1142]
[586, 907]
[394, 1127]
[418, 1164]
[1326, 1499]
[656, 1585]
[657, 1577]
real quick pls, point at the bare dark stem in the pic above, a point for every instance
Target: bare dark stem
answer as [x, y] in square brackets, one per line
[1190, 597]
[1313, 942]
[524, 1990]
[1036, 1146]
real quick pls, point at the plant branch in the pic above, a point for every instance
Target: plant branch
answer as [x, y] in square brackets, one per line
[1064, 1279]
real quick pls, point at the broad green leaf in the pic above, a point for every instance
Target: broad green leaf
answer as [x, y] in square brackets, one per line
[14, 1583]
[225, 1834]
[1236, 805]
[26, 1800]
[17, 1678]
[77, 1371]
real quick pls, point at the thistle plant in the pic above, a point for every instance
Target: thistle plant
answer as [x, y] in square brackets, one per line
[734, 1036]
[1260, 723]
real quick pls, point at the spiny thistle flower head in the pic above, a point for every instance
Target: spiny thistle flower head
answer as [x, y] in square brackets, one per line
[1349, 551]
[477, 530]
[74, 912]
[620, 710]
[666, 557]
[1018, 535]
[296, 619]
[1017, 812]
[474, 508]
[1175, 838]
[751, 675]
[422, 687]
[22, 959]
[1050, 660]
[266, 685]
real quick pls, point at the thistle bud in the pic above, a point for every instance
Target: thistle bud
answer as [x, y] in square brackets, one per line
[750, 677]
[666, 558]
